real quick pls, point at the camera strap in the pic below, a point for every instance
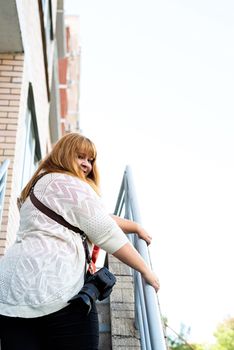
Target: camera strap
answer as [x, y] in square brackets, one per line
[59, 219]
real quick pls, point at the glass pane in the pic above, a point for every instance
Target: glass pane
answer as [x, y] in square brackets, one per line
[30, 160]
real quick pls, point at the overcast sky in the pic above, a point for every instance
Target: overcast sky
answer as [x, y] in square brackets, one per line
[157, 87]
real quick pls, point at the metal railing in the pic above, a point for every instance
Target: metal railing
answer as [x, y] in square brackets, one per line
[3, 179]
[148, 318]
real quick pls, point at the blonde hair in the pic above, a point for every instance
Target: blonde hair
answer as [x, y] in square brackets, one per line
[63, 159]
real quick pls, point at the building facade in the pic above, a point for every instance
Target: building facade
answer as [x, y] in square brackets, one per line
[33, 43]
[39, 102]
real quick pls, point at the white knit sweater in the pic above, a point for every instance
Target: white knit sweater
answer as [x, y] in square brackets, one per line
[44, 268]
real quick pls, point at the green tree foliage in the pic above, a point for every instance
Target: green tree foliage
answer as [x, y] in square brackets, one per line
[188, 347]
[178, 341]
[225, 335]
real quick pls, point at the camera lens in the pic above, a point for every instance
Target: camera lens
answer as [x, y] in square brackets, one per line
[86, 297]
[84, 301]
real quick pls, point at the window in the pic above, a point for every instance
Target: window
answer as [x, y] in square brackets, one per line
[45, 13]
[31, 145]
[48, 25]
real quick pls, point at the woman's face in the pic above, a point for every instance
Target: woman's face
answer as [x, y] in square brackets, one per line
[85, 163]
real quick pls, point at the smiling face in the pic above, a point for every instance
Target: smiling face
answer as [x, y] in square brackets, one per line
[75, 154]
[85, 163]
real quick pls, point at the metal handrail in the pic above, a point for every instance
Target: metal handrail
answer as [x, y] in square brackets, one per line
[148, 316]
[3, 179]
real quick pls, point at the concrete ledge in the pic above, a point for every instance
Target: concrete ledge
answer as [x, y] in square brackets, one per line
[124, 335]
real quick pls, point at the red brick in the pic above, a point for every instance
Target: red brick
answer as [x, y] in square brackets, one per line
[12, 115]
[9, 152]
[12, 62]
[14, 103]
[8, 192]
[11, 74]
[15, 91]
[16, 80]
[8, 109]
[2, 246]
[6, 56]
[18, 68]
[4, 91]
[19, 57]
[7, 132]
[9, 85]
[8, 146]
[6, 79]
[9, 97]
[8, 68]
[11, 127]
[10, 139]
[8, 120]
[4, 102]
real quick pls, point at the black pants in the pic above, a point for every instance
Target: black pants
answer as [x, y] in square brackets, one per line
[66, 329]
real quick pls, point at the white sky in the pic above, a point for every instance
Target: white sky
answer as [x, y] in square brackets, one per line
[157, 87]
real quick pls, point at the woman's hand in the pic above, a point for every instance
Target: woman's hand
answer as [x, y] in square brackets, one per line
[129, 226]
[151, 278]
[143, 234]
[130, 256]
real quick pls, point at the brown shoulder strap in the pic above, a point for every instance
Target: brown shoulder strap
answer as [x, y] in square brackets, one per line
[59, 219]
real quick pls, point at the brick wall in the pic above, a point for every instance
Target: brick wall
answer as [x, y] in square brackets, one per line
[11, 70]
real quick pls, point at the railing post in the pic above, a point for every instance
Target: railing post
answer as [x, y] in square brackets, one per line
[3, 179]
[146, 301]
[120, 200]
[151, 301]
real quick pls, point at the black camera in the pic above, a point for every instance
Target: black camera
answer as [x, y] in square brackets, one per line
[97, 287]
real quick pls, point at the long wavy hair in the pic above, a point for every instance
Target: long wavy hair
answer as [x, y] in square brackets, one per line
[63, 159]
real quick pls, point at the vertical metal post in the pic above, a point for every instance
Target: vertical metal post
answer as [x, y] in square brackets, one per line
[3, 179]
[152, 307]
[144, 311]
[148, 316]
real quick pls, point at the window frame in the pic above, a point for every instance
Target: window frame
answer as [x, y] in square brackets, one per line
[31, 140]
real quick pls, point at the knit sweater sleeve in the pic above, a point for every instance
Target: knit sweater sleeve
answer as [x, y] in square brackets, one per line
[78, 203]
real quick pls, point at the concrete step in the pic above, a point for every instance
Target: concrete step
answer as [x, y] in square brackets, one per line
[103, 308]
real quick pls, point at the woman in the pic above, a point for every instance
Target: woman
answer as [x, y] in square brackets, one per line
[45, 267]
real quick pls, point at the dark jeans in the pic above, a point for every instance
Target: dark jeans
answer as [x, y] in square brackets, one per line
[66, 329]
